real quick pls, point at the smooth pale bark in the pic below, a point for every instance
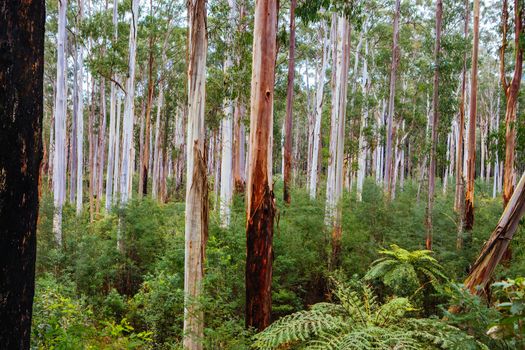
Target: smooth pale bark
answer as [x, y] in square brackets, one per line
[459, 195]
[391, 99]
[129, 110]
[112, 121]
[339, 99]
[196, 214]
[156, 149]
[80, 121]
[289, 109]
[22, 27]
[59, 163]
[511, 94]
[494, 249]
[434, 127]
[319, 97]
[332, 148]
[101, 154]
[260, 200]
[497, 170]
[116, 165]
[73, 131]
[361, 162]
[226, 190]
[471, 166]
[146, 153]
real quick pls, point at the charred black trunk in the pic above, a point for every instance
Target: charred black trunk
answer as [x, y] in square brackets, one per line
[21, 110]
[259, 258]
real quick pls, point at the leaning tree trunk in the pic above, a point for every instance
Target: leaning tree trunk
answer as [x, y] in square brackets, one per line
[129, 110]
[391, 99]
[261, 206]
[319, 109]
[21, 111]
[289, 109]
[494, 249]
[434, 127]
[196, 217]
[59, 171]
[471, 165]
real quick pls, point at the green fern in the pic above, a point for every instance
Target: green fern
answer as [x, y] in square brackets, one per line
[406, 273]
[359, 321]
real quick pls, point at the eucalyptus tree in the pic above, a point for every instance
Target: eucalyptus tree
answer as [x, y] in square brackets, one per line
[196, 214]
[260, 200]
[435, 125]
[59, 163]
[511, 91]
[287, 173]
[471, 162]
[21, 112]
[129, 110]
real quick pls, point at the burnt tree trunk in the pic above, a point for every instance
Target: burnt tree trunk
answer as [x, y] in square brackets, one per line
[261, 207]
[21, 111]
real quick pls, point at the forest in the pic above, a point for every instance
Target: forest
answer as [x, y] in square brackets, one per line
[262, 174]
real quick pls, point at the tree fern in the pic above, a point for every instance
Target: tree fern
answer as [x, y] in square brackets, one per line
[359, 321]
[406, 272]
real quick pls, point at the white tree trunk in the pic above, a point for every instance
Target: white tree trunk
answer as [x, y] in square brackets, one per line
[196, 216]
[156, 148]
[80, 122]
[116, 165]
[129, 110]
[226, 190]
[321, 74]
[112, 122]
[361, 162]
[59, 164]
[334, 188]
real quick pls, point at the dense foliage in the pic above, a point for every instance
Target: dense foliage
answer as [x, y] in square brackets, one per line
[91, 294]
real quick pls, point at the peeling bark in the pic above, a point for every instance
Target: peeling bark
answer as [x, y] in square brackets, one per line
[260, 205]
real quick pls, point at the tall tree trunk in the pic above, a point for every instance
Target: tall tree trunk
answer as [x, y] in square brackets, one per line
[319, 97]
[289, 108]
[196, 217]
[471, 166]
[112, 121]
[59, 171]
[101, 155]
[459, 195]
[227, 135]
[511, 94]
[143, 182]
[260, 205]
[21, 111]
[80, 118]
[339, 99]
[391, 100]
[332, 147]
[494, 249]
[118, 147]
[129, 110]
[361, 172]
[434, 127]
